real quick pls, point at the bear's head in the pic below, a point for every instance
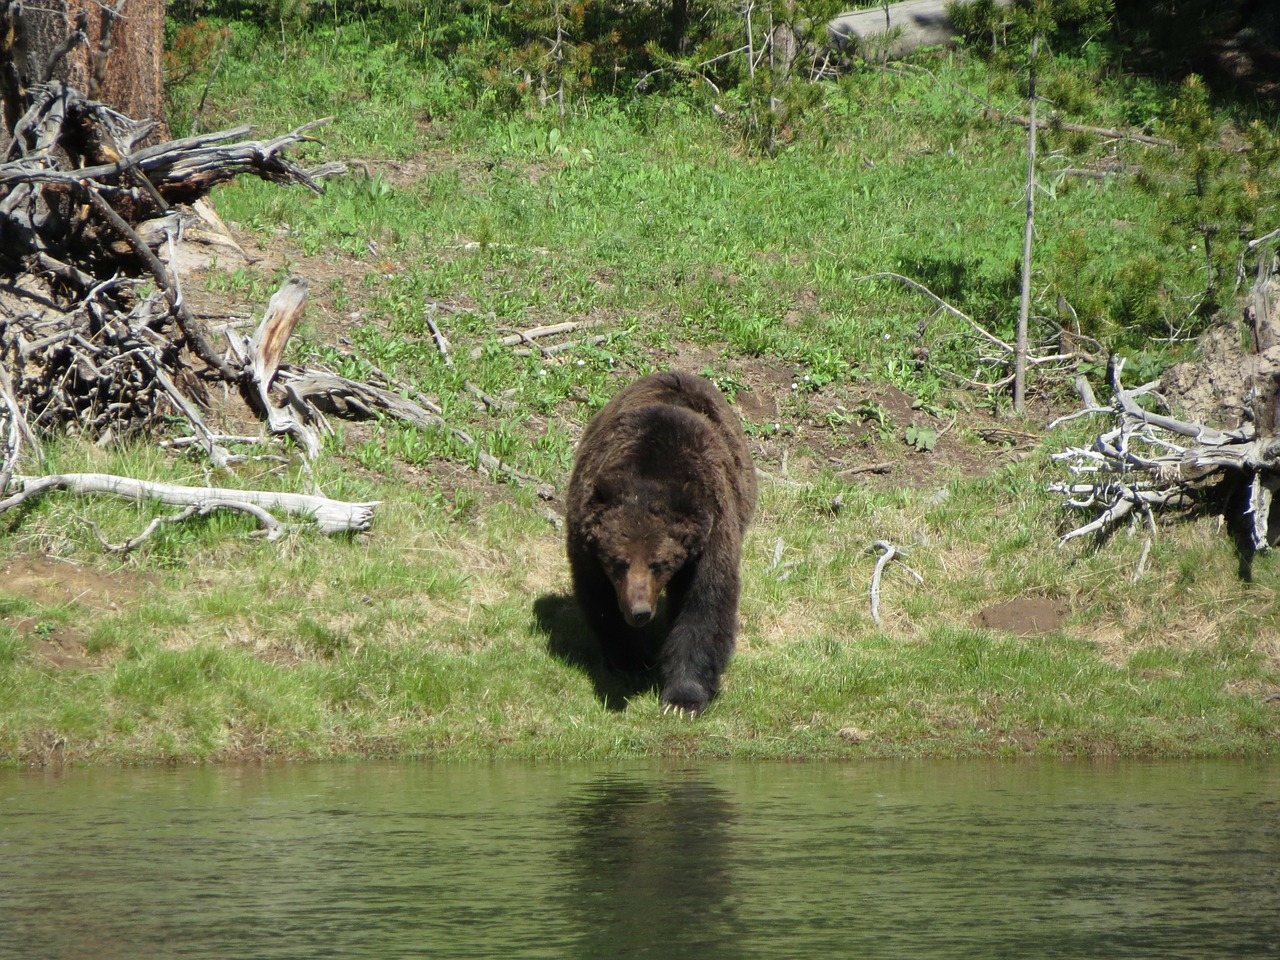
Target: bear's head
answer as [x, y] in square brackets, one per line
[643, 534]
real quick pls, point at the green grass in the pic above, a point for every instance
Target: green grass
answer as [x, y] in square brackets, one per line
[450, 638]
[447, 631]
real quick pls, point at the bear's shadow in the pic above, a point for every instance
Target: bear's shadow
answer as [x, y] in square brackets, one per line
[571, 642]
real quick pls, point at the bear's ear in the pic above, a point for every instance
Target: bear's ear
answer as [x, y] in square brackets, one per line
[691, 499]
[604, 490]
[691, 504]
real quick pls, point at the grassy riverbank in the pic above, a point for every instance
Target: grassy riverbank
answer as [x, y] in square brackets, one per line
[448, 631]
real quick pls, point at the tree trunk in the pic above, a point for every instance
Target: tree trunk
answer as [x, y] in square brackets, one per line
[112, 54]
[1263, 315]
[1028, 235]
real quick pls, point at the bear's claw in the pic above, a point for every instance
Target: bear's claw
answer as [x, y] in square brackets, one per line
[675, 710]
[684, 703]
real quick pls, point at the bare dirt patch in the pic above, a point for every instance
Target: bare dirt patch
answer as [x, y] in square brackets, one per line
[1025, 617]
[50, 582]
[857, 428]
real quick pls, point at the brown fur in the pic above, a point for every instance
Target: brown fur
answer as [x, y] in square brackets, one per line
[662, 491]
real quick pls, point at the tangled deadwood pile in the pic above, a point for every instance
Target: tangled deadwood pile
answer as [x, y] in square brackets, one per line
[97, 339]
[1148, 460]
[95, 335]
[92, 320]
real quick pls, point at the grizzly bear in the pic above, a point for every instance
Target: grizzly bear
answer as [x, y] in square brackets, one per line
[662, 491]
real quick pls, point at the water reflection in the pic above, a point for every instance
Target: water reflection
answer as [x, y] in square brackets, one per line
[718, 860]
[648, 869]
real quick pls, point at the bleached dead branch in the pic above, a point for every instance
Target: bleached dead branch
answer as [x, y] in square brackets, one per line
[890, 553]
[1149, 460]
[329, 516]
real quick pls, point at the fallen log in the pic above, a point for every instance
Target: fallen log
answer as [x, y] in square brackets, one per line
[329, 516]
[918, 23]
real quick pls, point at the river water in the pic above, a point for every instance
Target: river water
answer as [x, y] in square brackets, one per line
[875, 860]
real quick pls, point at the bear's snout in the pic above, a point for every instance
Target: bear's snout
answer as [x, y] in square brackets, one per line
[638, 616]
[637, 597]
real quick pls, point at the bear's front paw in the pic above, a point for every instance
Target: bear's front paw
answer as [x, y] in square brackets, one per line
[685, 699]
